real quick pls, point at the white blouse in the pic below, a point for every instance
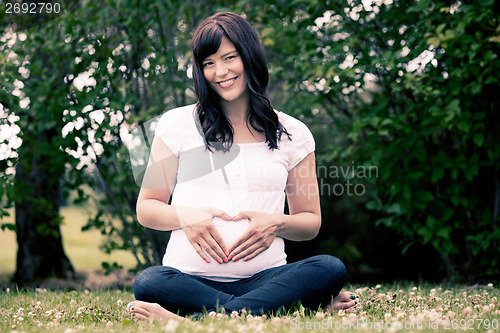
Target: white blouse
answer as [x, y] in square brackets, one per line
[250, 177]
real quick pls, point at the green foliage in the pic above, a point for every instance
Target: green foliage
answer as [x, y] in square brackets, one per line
[430, 126]
[411, 88]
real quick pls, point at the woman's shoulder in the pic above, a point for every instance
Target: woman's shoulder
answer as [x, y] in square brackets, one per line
[291, 123]
[176, 118]
[179, 113]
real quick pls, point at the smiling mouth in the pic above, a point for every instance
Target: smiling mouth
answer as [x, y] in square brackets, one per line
[227, 83]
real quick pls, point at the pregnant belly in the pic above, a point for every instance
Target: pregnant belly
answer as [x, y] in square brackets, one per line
[180, 254]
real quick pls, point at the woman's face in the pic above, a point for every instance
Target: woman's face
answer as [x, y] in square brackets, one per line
[225, 72]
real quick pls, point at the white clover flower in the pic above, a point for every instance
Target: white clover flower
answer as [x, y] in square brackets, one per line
[467, 311]
[172, 325]
[119, 302]
[320, 314]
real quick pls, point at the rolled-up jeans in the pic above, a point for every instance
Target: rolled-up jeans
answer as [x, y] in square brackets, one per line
[312, 282]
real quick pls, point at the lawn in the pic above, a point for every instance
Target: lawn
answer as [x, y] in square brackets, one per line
[380, 308]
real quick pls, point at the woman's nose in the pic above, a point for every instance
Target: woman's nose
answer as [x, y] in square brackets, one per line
[221, 70]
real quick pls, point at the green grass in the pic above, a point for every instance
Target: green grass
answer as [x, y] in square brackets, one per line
[411, 308]
[82, 248]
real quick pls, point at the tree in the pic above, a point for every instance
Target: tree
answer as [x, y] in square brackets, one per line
[40, 162]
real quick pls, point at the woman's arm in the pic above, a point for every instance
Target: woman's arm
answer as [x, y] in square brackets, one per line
[154, 212]
[302, 191]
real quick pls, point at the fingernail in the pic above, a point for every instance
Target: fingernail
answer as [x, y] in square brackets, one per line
[133, 314]
[353, 296]
[219, 261]
[230, 257]
[207, 260]
[355, 302]
[132, 308]
[235, 258]
[226, 253]
[245, 259]
[225, 260]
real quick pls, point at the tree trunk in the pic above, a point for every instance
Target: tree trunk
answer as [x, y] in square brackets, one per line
[40, 251]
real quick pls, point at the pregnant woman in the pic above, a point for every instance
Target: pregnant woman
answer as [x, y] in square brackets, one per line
[227, 163]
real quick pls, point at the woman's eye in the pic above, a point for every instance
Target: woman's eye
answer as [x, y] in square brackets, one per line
[206, 64]
[231, 57]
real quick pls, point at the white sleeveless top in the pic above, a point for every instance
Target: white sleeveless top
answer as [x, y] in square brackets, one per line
[250, 177]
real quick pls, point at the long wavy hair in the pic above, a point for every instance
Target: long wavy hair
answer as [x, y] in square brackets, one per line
[216, 127]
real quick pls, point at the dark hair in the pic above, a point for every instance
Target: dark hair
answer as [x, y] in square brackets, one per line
[216, 127]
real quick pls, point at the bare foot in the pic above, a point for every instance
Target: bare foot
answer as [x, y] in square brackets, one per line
[343, 301]
[150, 311]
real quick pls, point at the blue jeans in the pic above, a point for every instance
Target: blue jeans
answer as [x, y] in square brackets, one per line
[313, 282]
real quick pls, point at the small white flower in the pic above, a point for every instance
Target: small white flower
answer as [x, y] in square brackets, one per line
[172, 325]
[467, 311]
[320, 314]
[119, 302]
[212, 314]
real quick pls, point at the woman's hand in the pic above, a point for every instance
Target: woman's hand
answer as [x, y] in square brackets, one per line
[258, 237]
[200, 230]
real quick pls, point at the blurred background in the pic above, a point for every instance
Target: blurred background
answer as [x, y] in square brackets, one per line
[402, 98]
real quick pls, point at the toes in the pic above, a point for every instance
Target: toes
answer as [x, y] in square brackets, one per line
[345, 297]
[348, 305]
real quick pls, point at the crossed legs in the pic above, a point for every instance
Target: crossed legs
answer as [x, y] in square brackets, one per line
[162, 291]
